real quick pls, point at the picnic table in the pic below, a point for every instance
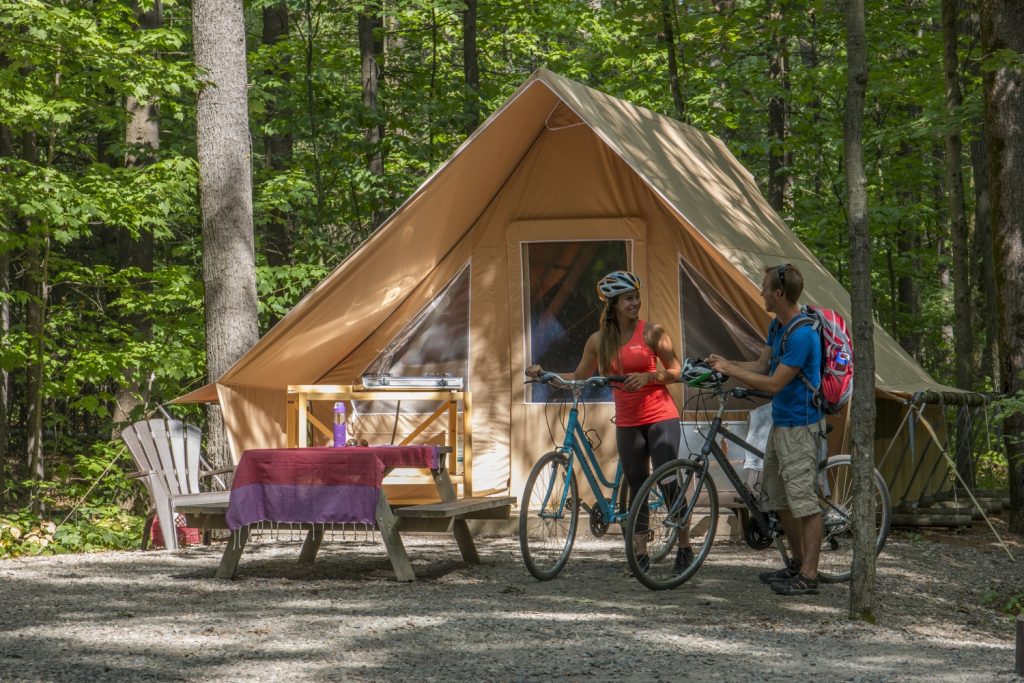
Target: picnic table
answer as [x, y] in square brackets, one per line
[317, 488]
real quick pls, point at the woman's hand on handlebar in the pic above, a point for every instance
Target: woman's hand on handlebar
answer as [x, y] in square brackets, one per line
[538, 374]
[636, 380]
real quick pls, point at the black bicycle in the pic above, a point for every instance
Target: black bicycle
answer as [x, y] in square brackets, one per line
[692, 501]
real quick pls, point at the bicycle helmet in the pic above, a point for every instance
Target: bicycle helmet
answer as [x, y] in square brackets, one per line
[697, 373]
[617, 282]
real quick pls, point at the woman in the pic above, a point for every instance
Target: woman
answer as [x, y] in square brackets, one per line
[646, 418]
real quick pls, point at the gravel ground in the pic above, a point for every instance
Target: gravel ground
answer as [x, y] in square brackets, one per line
[157, 616]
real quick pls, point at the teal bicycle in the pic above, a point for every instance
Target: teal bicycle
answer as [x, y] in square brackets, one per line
[551, 504]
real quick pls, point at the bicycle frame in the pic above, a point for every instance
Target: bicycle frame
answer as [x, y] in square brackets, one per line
[711, 447]
[577, 447]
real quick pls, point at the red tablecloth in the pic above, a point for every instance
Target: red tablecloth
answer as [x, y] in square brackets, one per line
[316, 485]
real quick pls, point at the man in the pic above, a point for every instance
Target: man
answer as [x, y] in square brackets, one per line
[790, 461]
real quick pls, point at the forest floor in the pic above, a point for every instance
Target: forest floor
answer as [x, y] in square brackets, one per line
[158, 616]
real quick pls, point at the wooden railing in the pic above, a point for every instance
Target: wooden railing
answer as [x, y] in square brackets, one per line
[300, 419]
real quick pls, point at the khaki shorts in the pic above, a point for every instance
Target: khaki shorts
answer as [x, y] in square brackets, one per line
[791, 470]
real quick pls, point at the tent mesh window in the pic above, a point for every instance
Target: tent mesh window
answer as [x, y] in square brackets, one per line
[434, 343]
[710, 324]
[562, 307]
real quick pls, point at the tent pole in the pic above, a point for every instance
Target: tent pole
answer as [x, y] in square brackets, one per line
[952, 466]
[915, 409]
[899, 460]
[881, 463]
[935, 489]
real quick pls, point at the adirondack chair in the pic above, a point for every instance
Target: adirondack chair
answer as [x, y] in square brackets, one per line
[170, 464]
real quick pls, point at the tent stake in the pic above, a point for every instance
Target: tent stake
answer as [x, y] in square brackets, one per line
[1019, 668]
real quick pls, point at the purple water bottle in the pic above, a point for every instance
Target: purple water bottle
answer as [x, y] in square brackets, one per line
[340, 435]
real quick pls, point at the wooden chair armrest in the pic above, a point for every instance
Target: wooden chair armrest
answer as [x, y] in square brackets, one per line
[211, 473]
[138, 475]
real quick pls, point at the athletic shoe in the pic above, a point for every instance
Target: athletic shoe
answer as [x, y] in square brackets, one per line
[684, 558]
[798, 585]
[780, 575]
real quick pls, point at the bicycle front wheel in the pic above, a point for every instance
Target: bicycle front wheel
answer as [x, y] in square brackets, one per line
[549, 516]
[836, 499]
[676, 506]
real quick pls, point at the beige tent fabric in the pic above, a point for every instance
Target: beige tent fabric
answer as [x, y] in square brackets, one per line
[698, 176]
[557, 162]
[338, 314]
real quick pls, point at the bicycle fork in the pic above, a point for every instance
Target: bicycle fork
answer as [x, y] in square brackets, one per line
[555, 511]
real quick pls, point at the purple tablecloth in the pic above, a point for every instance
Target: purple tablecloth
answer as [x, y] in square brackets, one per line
[316, 485]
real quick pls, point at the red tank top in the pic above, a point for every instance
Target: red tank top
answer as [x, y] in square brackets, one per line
[652, 403]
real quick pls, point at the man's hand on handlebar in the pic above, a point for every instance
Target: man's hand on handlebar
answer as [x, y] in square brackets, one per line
[534, 371]
[720, 364]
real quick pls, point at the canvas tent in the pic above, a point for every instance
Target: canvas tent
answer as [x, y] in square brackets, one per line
[490, 266]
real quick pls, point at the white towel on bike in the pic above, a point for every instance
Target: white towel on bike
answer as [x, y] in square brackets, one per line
[757, 435]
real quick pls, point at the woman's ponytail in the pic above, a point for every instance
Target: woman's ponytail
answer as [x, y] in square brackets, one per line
[608, 339]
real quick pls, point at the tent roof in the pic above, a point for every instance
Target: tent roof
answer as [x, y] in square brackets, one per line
[692, 172]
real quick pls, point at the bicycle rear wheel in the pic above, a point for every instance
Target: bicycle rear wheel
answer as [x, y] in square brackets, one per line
[548, 516]
[836, 499]
[678, 498]
[666, 543]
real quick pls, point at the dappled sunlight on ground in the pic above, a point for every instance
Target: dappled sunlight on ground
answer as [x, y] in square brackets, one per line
[162, 616]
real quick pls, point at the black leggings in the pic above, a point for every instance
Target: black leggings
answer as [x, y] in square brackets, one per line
[640, 447]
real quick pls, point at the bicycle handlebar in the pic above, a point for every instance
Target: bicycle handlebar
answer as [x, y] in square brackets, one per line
[743, 392]
[595, 381]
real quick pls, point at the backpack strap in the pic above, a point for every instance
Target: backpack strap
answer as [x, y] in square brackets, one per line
[802, 321]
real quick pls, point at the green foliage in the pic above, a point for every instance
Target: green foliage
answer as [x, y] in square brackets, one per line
[92, 529]
[1008, 406]
[79, 214]
[992, 471]
[914, 537]
[1012, 604]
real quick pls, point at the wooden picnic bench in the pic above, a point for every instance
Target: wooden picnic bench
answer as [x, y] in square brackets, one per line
[450, 515]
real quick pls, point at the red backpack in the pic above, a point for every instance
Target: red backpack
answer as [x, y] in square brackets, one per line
[836, 357]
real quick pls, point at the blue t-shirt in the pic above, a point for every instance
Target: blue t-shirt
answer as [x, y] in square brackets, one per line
[793, 405]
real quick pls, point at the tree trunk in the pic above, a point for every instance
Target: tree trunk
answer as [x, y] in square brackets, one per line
[779, 160]
[36, 275]
[225, 187]
[1002, 36]
[983, 258]
[963, 328]
[909, 297]
[369, 49]
[982, 255]
[6, 151]
[35, 260]
[278, 146]
[5, 380]
[142, 138]
[471, 67]
[808, 50]
[668, 20]
[863, 409]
